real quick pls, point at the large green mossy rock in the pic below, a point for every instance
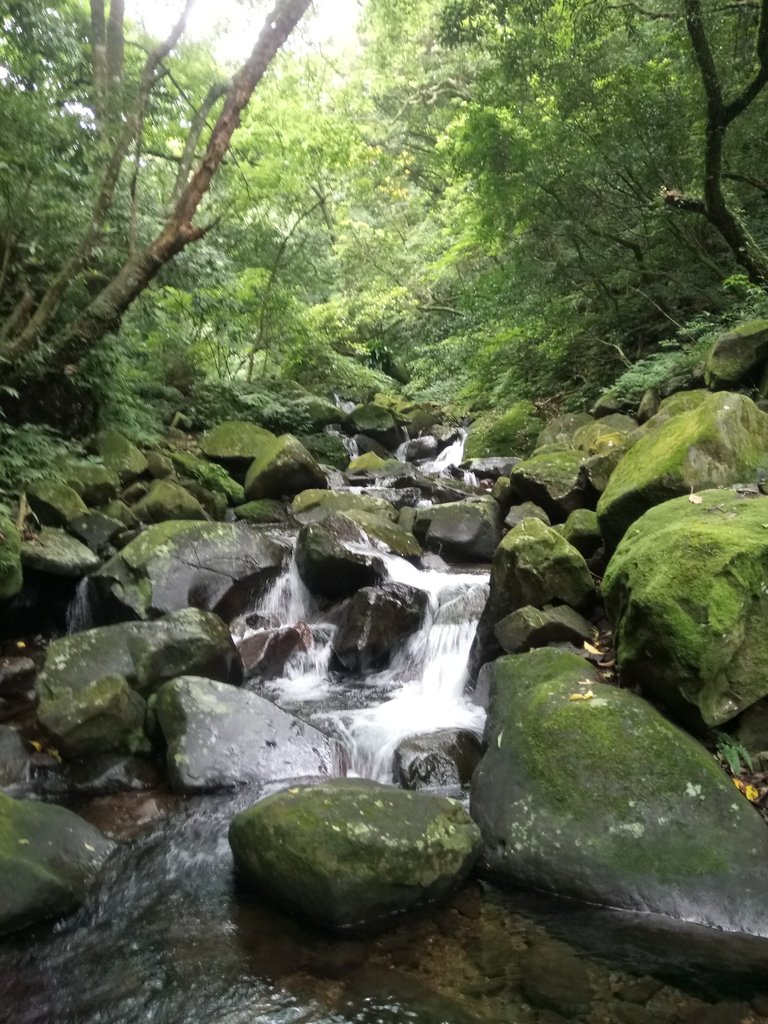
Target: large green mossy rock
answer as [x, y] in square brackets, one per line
[10, 559]
[462, 531]
[314, 505]
[120, 456]
[686, 592]
[56, 553]
[386, 535]
[352, 852]
[563, 429]
[553, 480]
[211, 476]
[604, 800]
[376, 422]
[283, 469]
[534, 566]
[214, 566]
[49, 859]
[328, 449]
[104, 716]
[366, 463]
[738, 356]
[168, 500]
[513, 432]
[724, 440]
[335, 558]
[264, 512]
[55, 503]
[96, 484]
[235, 441]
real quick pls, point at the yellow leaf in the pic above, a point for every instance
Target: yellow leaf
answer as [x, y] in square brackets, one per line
[749, 791]
[694, 498]
[36, 746]
[590, 649]
[498, 740]
[23, 842]
[582, 696]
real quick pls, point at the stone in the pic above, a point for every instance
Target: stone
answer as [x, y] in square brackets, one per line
[554, 978]
[582, 530]
[215, 504]
[160, 466]
[166, 500]
[210, 475]
[752, 728]
[609, 432]
[106, 774]
[54, 503]
[421, 448]
[17, 676]
[263, 512]
[555, 481]
[604, 800]
[266, 653]
[374, 623]
[562, 429]
[490, 468]
[11, 578]
[235, 442]
[96, 484]
[101, 716]
[378, 423]
[649, 405]
[49, 859]
[314, 505]
[512, 432]
[328, 448]
[120, 511]
[532, 627]
[56, 553]
[439, 760]
[525, 510]
[14, 760]
[535, 566]
[283, 469]
[365, 463]
[608, 404]
[686, 593]
[119, 455]
[464, 531]
[96, 530]
[335, 559]
[353, 852]
[220, 737]
[179, 564]
[738, 356]
[722, 441]
[386, 535]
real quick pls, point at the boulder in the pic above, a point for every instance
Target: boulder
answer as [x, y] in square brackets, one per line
[601, 435]
[56, 553]
[365, 463]
[582, 530]
[120, 511]
[54, 503]
[378, 423]
[739, 356]
[264, 512]
[553, 480]
[214, 504]
[466, 531]
[283, 468]
[167, 500]
[96, 484]
[159, 465]
[533, 627]
[120, 456]
[96, 530]
[386, 535]
[14, 760]
[235, 443]
[686, 593]
[335, 558]
[374, 623]
[220, 737]
[214, 566]
[328, 448]
[266, 653]
[421, 448]
[525, 510]
[562, 429]
[352, 852]
[10, 558]
[490, 468]
[100, 716]
[210, 475]
[724, 440]
[535, 566]
[437, 760]
[17, 677]
[314, 505]
[49, 859]
[649, 405]
[512, 432]
[601, 799]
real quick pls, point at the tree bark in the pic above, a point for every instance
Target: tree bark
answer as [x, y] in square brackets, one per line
[99, 58]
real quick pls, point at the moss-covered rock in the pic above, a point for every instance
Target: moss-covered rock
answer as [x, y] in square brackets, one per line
[159, 465]
[739, 356]
[328, 449]
[513, 432]
[96, 484]
[168, 500]
[525, 510]
[120, 455]
[264, 512]
[352, 852]
[122, 512]
[602, 435]
[553, 480]
[722, 441]
[533, 627]
[562, 429]
[49, 859]
[384, 533]
[104, 716]
[335, 558]
[582, 530]
[463, 531]
[211, 476]
[535, 566]
[10, 559]
[314, 505]
[56, 553]
[235, 442]
[376, 422]
[686, 593]
[365, 463]
[604, 800]
[55, 503]
[214, 503]
[283, 468]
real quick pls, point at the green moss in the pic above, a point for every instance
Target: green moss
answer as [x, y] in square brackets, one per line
[365, 463]
[235, 440]
[214, 477]
[284, 467]
[327, 448]
[738, 355]
[400, 541]
[314, 505]
[265, 511]
[10, 559]
[554, 480]
[513, 432]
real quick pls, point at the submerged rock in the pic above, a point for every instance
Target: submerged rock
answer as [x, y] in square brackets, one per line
[283, 468]
[14, 760]
[604, 800]
[374, 623]
[49, 858]
[220, 737]
[353, 852]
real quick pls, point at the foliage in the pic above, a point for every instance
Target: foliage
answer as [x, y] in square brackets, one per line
[733, 752]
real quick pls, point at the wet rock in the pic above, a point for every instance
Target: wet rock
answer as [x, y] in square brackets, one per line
[328, 448]
[335, 559]
[120, 456]
[438, 760]
[235, 443]
[266, 653]
[283, 468]
[315, 505]
[554, 978]
[582, 530]
[374, 623]
[95, 484]
[530, 627]
[220, 737]
[678, 841]
[96, 530]
[421, 448]
[10, 559]
[555, 481]
[490, 468]
[467, 531]
[56, 553]
[351, 852]
[103, 775]
[526, 510]
[54, 503]
[103, 715]
[14, 760]
[167, 500]
[377, 423]
[263, 512]
[738, 356]
[214, 566]
[17, 676]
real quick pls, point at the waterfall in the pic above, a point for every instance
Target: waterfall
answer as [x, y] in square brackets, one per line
[79, 612]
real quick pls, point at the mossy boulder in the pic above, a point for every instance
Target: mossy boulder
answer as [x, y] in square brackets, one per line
[159, 465]
[722, 441]
[283, 469]
[553, 480]
[319, 412]
[352, 852]
[601, 435]
[604, 800]
[386, 535]
[96, 484]
[168, 500]
[533, 627]
[49, 859]
[54, 503]
[686, 592]
[365, 463]
[462, 531]
[327, 448]
[96, 530]
[535, 566]
[214, 503]
[513, 432]
[562, 430]
[211, 476]
[119, 455]
[104, 716]
[264, 512]
[235, 442]
[525, 510]
[56, 553]
[739, 356]
[11, 578]
[180, 564]
[582, 530]
[377, 422]
[335, 558]
[314, 505]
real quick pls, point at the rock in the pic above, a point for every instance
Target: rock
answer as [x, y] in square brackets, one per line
[512, 432]
[107, 774]
[212, 476]
[214, 503]
[604, 800]
[365, 463]
[353, 852]
[14, 761]
[438, 760]
[554, 978]
[467, 531]
[752, 728]
[723, 441]
[17, 677]
[526, 510]
[10, 558]
[315, 505]
[167, 500]
[608, 404]
[739, 356]
[328, 448]
[378, 423]
[120, 511]
[136, 491]
[555, 481]
[649, 405]
[490, 468]
[320, 412]
[95, 484]
[562, 429]
[502, 493]
[103, 715]
[215, 566]
[335, 559]
[613, 431]
[120, 455]
[283, 468]
[367, 446]
[582, 530]
[96, 530]
[220, 737]
[386, 535]
[530, 627]
[49, 859]
[266, 653]
[535, 566]
[685, 592]
[599, 468]
[374, 623]
[54, 503]
[235, 443]
[159, 465]
[265, 511]
[56, 553]
[421, 448]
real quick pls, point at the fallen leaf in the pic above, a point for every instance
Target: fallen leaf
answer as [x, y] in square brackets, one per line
[582, 696]
[749, 791]
[23, 842]
[498, 739]
[590, 649]
[694, 498]
[36, 745]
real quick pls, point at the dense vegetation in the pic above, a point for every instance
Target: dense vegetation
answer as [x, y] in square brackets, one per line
[485, 203]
